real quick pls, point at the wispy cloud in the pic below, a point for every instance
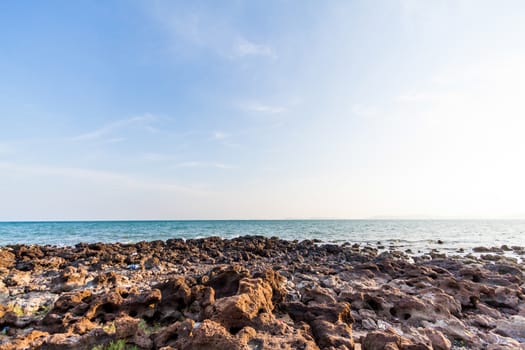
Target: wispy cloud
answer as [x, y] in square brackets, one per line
[157, 157]
[196, 164]
[220, 135]
[257, 107]
[111, 127]
[196, 28]
[245, 47]
[101, 176]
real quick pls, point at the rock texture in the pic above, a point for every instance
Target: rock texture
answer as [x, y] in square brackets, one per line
[258, 293]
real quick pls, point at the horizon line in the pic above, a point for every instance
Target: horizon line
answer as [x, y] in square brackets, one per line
[282, 219]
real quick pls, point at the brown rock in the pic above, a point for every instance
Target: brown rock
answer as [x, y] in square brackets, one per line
[169, 336]
[126, 327]
[211, 336]
[438, 340]
[17, 278]
[32, 340]
[225, 282]
[175, 296]
[70, 278]
[237, 311]
[276, 281]
[7, 259]
[328, 334]
[379, 340]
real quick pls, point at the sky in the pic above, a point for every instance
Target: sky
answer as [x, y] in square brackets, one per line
[262, 109]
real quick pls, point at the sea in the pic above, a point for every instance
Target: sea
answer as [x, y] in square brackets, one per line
[419, 236]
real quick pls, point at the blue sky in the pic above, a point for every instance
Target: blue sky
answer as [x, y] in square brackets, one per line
[261, 109]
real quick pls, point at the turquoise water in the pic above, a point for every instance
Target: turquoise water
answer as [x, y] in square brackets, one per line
[402, 234]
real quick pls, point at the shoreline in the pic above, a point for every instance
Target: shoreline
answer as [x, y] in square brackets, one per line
[254, 292]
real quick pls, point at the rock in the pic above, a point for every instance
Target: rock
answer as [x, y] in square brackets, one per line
[110, 279]
[276, 281]
[327, 334]
[126, 327]
[480, 249]
[68, 341]
[317, 295]
[438, 340]
[32, 340]
[454, 328]
[172, 335]
[389, 340]
[211, 336]
[17, 278]
[368, 323]
[70, 278]
[175, 295]
[225, 282]
[330, 324]
[7, 259]
[237, 311]
[514, 327]
[279, 294]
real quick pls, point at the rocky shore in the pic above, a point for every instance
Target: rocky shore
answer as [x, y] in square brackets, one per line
[258, 293]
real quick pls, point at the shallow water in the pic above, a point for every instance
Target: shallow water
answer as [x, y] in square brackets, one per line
[418, 235]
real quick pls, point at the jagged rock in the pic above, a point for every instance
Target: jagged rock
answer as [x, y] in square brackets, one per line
[438, 340]
[514, 327]
[17, 278]
[388, 340]
[32, 340]
[7, 259]
[173, 334]
[225, 282]
[70, 278]
[210, 335]
[254, 297]
[278, 294]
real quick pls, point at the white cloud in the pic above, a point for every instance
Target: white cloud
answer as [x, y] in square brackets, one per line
[98, 176]
[190, 28]
[245, 47]
[113, 126]
[196, 164]
[257, 107]
[157, 157]
[220, 135]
